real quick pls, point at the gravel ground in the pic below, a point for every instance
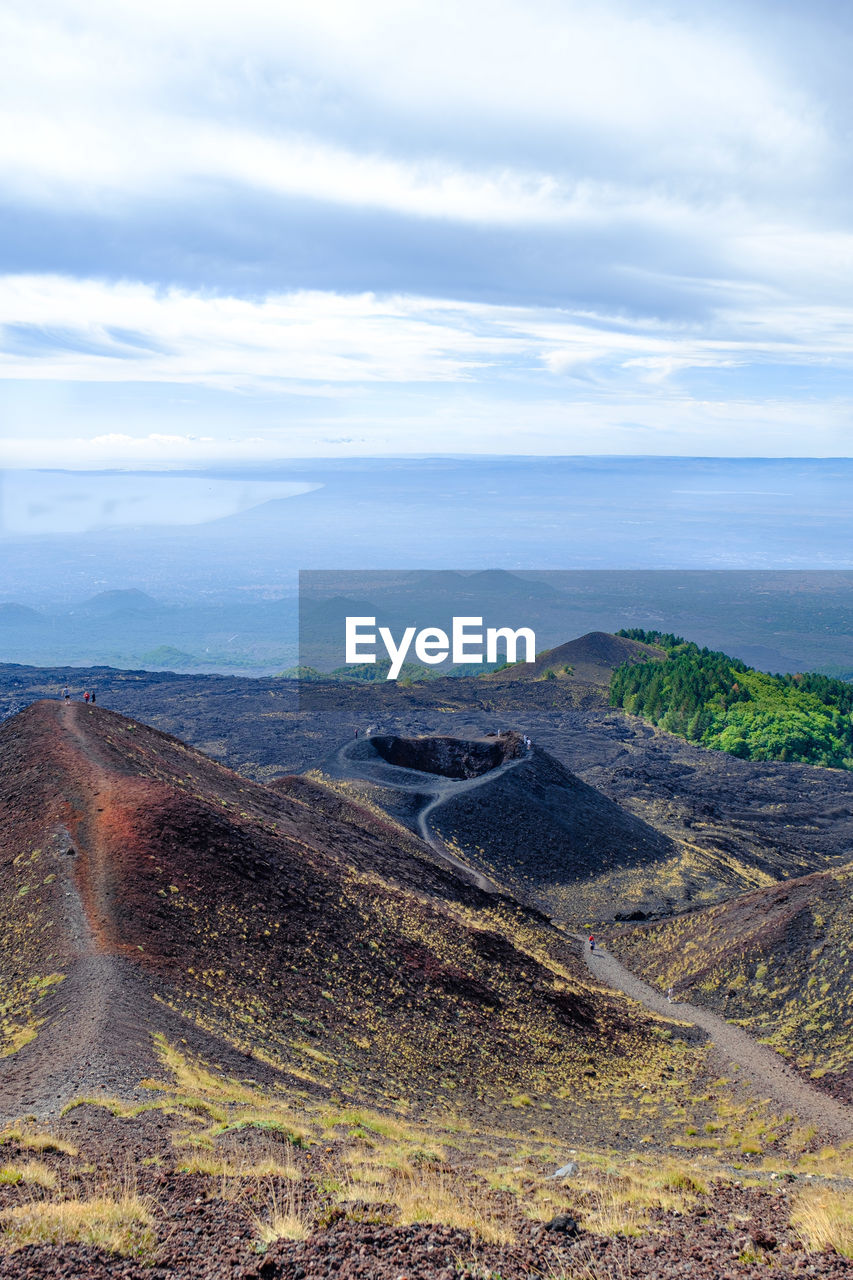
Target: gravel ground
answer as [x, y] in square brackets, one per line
[736, 1234]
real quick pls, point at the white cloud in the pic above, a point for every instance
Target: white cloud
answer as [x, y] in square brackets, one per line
[68, 330]
[86, 330]
[608, 123]
[87, 161]
[574, 382]
[115, 100]
[681, 177]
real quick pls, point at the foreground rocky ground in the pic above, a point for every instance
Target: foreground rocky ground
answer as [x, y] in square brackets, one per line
[259, 1207]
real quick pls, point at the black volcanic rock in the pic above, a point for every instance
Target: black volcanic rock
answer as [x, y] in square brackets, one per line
[449, 757]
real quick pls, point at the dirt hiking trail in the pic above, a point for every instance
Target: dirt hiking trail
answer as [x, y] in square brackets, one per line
[90, 1040]
[351, 762]
[766, 1070]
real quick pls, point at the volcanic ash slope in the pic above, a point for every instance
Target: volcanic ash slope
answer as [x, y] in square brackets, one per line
[146, 889]
[540, 832]
[778, 961]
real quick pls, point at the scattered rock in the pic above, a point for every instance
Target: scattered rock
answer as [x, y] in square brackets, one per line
[763, 1239]
[563, 1222]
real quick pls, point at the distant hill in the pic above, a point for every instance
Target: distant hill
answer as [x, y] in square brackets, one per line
[167, 658]
[107, 604]
[552, 839]
[502, 585]
[778, 961]
[716, 700]
[591, 659]
[646, 836]
[325, 614]
[737, 823]
[20, 615]
[518, 818]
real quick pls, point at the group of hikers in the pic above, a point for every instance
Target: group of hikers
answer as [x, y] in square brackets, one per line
[87, 695]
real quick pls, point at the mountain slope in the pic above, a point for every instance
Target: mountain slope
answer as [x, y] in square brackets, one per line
[779, 961]
[590, 659]
[716, 700]
[147, 890]
[551, 839]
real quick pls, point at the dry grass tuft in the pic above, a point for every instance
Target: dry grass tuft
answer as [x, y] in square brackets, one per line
[33, 1173]
[229, 1104]
[586, 1265]
[423, 1193]
[37, 1141]
[123, 1110]
[16, 1037]
[286, 1214]
[364, 1120]
[823, 1220]
[617, 1203]
[122, 1225]
[435, 1195]
[613, 1208]
[222, 1167]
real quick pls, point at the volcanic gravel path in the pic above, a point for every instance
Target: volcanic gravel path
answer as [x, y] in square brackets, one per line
[94, 998]
[766, 1069]
[351, 762]
[92, 1040]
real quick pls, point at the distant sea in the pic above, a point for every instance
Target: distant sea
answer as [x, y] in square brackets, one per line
[218, 551]
[66, 535]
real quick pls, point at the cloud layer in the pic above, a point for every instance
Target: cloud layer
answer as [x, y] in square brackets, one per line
[552, 214]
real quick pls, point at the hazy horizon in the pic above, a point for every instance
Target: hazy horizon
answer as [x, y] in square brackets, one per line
[214, 559]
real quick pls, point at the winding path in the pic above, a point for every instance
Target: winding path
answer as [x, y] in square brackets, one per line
[766, 1070]
[349, 762]
[769, 1072]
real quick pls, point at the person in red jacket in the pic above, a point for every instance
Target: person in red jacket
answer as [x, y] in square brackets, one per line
[591, 942]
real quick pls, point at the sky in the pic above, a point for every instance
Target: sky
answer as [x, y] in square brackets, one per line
[244, 232]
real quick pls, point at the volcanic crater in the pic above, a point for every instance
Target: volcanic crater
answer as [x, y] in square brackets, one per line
[450, 757]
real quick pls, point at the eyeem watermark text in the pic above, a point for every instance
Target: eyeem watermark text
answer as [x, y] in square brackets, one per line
[433, 645]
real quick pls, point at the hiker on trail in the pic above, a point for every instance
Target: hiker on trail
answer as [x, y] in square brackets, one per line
[356, 733]
[86, 696]
[93, 697]
[66, 695]
[591, 943]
